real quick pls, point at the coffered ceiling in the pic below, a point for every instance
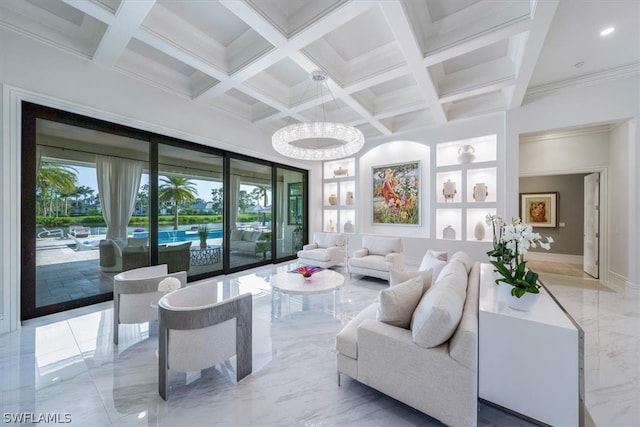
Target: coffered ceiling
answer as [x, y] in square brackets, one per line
[392, 65]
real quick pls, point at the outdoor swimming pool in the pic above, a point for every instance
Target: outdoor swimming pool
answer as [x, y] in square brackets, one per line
[172, 236]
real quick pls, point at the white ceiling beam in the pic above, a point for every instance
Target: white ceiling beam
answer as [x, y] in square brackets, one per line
[129, 17]
[408, 45]
[92, 9]
[475, 43]
[478, 90]
[543, 12]
[383, 77]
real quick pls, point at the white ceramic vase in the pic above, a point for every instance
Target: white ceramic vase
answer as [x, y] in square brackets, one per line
[449, 233]
[333, 200]
[480, 192]
[466, 154]
[479, 232]
[524, 303]
[349, 198]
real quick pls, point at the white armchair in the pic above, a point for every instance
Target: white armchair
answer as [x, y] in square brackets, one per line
[377, 257]
[136, 295]
[326, 250]
[197, 332]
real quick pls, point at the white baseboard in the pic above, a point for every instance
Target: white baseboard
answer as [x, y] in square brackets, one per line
[633, 286]
[549, 257]
[616, 282]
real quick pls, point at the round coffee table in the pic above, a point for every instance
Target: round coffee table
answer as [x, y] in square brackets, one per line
[284, 285]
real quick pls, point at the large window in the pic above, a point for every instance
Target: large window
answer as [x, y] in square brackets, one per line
[100, 198]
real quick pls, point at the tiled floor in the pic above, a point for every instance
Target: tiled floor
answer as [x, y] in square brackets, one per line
[67, 364]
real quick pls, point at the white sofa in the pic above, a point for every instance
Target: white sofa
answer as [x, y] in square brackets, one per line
[248, 241]
[433, 366]
[377, 257]
[326, 250]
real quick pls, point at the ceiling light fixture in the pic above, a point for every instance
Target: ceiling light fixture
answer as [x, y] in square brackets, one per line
[607, 31]
[318, 140]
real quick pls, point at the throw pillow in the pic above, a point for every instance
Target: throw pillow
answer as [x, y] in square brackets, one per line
[464, 258]
[433, 261]
[397, 277]
[398, 302]
[436, 317]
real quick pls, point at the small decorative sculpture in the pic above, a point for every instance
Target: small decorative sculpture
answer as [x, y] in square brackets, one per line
[348, 227]
[480, 192]
[449, 190]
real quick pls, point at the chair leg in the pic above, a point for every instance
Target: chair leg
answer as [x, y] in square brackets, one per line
[338, 379]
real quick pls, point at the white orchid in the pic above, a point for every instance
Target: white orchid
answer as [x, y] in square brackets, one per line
[511, 243]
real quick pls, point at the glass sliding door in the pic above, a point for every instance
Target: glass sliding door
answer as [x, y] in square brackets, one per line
[190, 210]
[86, 189]
[251, 213]
[291, 212]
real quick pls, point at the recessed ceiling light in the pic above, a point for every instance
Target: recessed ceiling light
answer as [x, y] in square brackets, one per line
[607, 31]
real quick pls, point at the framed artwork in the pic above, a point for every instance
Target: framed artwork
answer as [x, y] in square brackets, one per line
[396, 194]
[539, 209]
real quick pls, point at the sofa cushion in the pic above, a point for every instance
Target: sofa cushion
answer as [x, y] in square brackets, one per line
[437, 316]
[315, 254]
[347, 338]
[250, 236]
[371, 262]
[236, 234]
[326, 240]
[432, 261]
[397, 303]
[381, 245]
[397, 277]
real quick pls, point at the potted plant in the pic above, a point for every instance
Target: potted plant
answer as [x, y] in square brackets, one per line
[203, 233]
[510, 245]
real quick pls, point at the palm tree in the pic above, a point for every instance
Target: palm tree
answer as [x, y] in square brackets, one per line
[178, 190]
[260, 192]
[54, 179]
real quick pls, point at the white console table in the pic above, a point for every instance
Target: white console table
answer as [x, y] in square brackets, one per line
[530, 363]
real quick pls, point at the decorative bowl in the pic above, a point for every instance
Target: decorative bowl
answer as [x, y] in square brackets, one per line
[307, 271]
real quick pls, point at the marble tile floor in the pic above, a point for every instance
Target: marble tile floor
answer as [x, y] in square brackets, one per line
[67, 364]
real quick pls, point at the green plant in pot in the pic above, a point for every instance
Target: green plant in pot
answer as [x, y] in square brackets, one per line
[203, 233]
[511, 243]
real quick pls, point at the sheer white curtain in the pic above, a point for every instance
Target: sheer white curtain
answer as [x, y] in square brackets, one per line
[118, 183]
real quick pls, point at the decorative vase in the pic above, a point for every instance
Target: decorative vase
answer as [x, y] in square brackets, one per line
[466, 154]
[340, 171]
[333, 199]
[449, 190]
[524, 303]
[479, 232]
[330, 227]
[449, 233]
[480, 192]
[349, 198]
[348, 227]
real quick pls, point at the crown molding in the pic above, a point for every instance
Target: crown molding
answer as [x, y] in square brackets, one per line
[548, 136]
[620, 72]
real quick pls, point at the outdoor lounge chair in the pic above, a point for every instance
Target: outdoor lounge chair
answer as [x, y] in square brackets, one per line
[85, 245]
[51, 233]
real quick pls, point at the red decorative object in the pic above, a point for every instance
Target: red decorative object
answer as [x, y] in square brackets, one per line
[306, 271]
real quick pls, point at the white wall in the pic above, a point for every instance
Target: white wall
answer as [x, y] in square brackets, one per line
[420, 145]
[608, 102]
[618, 192]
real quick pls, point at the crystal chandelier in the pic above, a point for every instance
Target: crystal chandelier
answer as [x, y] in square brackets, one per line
[318, 140]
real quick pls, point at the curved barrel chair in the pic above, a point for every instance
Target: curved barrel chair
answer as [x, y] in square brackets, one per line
[136, 295]
[197, 332]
